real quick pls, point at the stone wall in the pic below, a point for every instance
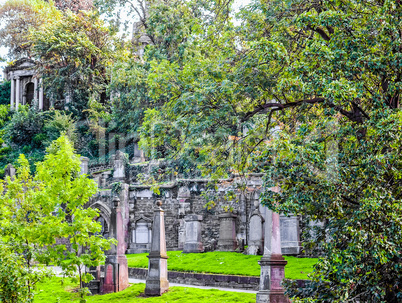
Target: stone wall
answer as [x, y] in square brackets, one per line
[183, 197]
[198, 279]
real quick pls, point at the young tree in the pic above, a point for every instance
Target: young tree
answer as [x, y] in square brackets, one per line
[38, 211]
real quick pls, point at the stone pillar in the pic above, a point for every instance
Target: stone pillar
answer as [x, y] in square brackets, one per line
[116, 268]
[256, 233]
[24, 93]
[84, 166]
[157, 283]
[17, 93]
[290, 235]
[227, 232]
[112, 145]
[35, 98]
[193, 242]
[40, 94]
[122, 143]
[12, 96]
[272, 263]
[10, 171]
[119, 166]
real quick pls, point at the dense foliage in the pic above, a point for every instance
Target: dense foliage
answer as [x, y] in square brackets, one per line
[74, 55]
[308, 92]
[37, 212]
[18, 18]
[5, 92]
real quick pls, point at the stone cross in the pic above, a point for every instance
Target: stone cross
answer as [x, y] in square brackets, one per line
[157, 282]
[272, 263]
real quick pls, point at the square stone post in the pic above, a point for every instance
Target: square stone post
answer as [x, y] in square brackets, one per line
[193, 242]
[12, 96]
[84, 166]
[227, 232]
[157, 282]
[272, 263]
[119, 166]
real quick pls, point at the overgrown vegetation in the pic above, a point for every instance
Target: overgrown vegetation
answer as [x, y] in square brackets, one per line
[306, 92]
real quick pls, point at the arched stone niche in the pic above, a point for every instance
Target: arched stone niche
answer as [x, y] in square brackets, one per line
[104, 217]
[141, 236]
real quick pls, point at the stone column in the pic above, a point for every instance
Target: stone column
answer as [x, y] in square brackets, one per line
[183, 196]
[290, 235]
[157, 283]
[227, 232]
[256, 233]
[35, 98]
[84, 165]
[116, 268]
[10, 171]
[193, 242]
[24, 93]
[40, 94]
[272, 263]
[12, 97]
[17, 93]
[119, 166]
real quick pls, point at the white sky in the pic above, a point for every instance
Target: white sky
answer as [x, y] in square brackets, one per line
[3, 50]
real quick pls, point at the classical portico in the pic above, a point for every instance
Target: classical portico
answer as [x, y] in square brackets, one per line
[26, 85]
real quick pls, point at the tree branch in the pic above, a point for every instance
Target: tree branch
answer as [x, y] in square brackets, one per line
[279, 106]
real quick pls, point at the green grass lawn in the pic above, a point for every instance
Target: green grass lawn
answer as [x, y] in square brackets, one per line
[51, 291]
[225, 263]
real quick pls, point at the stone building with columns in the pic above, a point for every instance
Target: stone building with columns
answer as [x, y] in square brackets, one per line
[26, 85]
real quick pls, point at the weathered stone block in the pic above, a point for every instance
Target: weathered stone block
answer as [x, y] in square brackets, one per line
[227, 232]
[193, 242]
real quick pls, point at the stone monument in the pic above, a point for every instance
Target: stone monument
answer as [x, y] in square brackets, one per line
[116, 267]
[256, 232]
[290, 235]
[227, 232]
[157, 283]
[84, 166]
[119, 166]
[10, 171]
[193, 242]
[272, 263]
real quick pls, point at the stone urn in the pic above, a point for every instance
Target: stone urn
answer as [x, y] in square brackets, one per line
[227, 232]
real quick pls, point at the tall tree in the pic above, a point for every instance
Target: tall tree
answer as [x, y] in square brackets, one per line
[307, 92]
[18, 18]
[74, 55]
[74, 5]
